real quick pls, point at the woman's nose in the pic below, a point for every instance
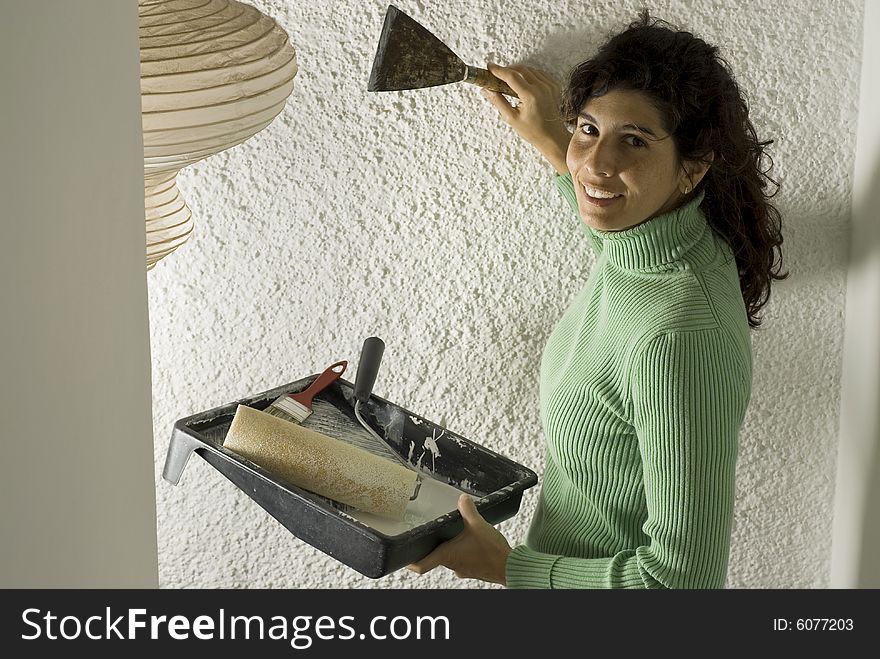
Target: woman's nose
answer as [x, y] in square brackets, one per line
[600, 160]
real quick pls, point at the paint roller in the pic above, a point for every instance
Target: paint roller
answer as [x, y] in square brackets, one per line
[359, 477]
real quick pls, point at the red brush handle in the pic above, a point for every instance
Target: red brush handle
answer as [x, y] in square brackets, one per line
[328, 377]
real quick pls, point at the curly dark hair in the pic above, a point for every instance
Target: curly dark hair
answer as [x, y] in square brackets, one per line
[707, 115]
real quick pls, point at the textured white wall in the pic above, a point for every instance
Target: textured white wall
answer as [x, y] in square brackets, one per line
[419, 217]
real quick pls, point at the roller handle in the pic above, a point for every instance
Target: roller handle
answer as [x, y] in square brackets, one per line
[328, 377]
[482, 78]
[368, 368]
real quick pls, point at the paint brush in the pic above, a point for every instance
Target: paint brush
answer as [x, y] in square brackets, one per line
[298, 407]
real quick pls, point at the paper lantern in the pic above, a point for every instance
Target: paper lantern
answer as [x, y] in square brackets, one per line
[213, 74]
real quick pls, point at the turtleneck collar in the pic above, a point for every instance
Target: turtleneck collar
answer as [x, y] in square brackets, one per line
[656, 242]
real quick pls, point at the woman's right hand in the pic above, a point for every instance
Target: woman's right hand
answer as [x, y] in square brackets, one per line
[536, 118]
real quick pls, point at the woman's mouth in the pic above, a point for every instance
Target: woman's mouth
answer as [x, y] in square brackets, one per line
[599, 197]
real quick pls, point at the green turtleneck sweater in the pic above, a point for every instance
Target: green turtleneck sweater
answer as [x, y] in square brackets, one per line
[644, 384]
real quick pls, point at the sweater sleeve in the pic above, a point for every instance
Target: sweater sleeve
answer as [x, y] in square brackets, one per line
[689, 399]
[565, 185]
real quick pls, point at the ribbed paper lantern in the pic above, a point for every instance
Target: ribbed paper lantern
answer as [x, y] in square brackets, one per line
[213, 73]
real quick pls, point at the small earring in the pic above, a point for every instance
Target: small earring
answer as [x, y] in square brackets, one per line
[687, 189]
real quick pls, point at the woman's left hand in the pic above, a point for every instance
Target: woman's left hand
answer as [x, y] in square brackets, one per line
[478, 552]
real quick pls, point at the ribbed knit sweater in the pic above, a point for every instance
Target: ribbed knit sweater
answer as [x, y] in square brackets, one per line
[643, 388]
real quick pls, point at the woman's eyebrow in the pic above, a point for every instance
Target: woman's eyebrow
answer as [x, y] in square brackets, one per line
[627, 126]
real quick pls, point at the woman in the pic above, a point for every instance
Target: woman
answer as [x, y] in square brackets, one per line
[646, 378]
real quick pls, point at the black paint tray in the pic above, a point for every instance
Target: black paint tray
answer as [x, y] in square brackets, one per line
[496, 483]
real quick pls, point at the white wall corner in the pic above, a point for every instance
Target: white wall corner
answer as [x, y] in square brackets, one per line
[856, 528]
[77, 489]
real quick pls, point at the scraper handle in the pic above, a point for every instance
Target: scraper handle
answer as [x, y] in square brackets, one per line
[482, 78]
[368, 368]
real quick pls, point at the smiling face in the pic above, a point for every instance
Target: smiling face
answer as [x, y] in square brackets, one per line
[624, 165]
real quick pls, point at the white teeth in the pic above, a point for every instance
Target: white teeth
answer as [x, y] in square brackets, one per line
[599, 194]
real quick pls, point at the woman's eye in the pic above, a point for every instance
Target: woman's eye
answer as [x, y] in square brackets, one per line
[635, 140]
[588, 129]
